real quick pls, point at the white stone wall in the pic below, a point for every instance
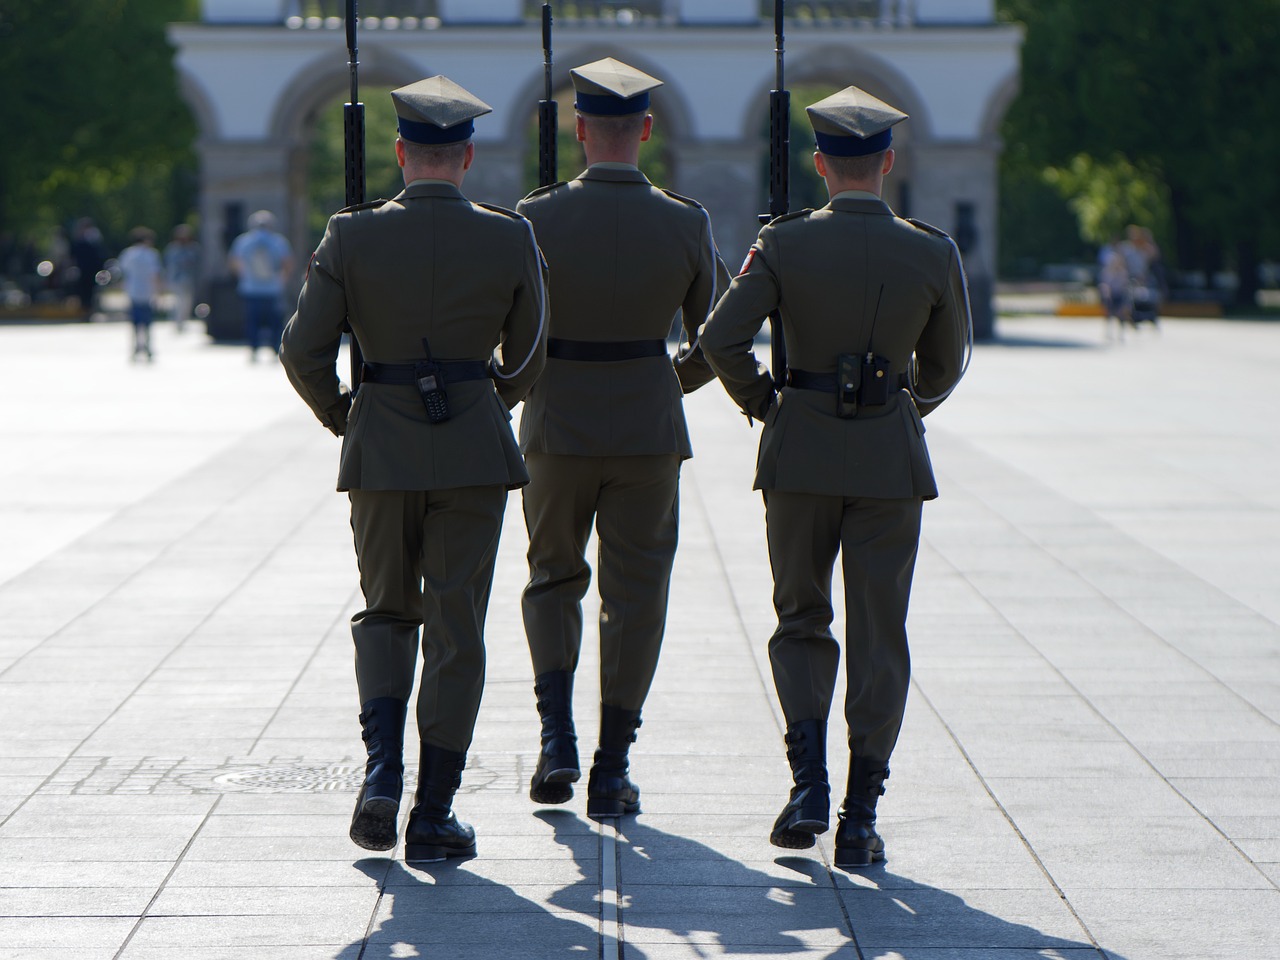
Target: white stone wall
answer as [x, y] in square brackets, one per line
[253, 88]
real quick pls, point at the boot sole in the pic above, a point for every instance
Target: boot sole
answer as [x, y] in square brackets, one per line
[555, 786]
[798, 835]
[792, 840]
[852, 859]
[602, 809]
[434, 853]
[374, 825]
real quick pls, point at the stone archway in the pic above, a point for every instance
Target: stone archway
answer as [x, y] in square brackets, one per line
[261, 84]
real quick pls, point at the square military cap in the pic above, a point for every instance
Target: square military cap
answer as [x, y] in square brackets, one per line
[436, 110]
[853, 123]
[611, 88]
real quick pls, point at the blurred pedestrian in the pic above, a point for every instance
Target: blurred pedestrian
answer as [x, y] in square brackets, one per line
[261, 260]
[143, 273]
[1114, 289]
[1146, 274]
[182, 271]
[88, 256]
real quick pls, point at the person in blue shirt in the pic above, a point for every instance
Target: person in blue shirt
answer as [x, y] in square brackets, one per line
[182, 271]
[261, 260]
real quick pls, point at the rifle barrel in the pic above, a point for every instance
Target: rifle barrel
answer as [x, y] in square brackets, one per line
[548, 110]
[353, 149]
[779, 177]
[546, 34]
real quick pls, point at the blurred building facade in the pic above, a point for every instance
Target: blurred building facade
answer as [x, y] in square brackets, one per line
[256, 73]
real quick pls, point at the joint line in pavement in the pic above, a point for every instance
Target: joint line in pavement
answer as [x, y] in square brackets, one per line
[610, 938]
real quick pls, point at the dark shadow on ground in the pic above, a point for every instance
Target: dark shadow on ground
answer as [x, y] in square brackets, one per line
[677, 895]
[445, 909]
[677, 890]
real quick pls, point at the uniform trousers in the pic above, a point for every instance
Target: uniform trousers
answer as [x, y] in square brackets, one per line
[426, 561]
[634, 501]
[877, 541]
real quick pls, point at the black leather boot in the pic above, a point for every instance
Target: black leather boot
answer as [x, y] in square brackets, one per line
[809, 808]
[558, 761]
[373, 825]
[610, 793]
[857, 843]
[433, 832]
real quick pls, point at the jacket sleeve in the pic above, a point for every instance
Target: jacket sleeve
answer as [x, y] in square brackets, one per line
[709, 281]
[941, 348]
[523, 351]
[729, 334]
[313, 335]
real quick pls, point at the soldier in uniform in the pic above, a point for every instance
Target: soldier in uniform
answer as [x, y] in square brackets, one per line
[876, 320]
[603, 430]
[431, 284]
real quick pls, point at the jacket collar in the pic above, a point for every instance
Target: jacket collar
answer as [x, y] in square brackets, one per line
[431, 188]
[859, 205]
[614, 174]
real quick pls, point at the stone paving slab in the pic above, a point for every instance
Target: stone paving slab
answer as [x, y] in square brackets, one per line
[1088, 768]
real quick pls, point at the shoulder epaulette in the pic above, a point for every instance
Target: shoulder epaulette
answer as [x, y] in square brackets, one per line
[928, 228]
[547, 189]
[793, 215]
[683, 199]
[367, 205]
[505, 211]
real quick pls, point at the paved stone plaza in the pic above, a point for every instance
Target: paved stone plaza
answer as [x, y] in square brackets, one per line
[1090, 765]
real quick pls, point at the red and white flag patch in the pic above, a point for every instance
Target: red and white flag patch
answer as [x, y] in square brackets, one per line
[746, 264]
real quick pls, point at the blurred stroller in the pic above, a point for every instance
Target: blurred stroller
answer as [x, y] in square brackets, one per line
[1146, 275]
[1131, 281]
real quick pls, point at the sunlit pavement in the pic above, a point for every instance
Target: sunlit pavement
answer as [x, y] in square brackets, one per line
[1090, 765]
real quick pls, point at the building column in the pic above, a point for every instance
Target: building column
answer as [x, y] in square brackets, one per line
[725, 177]
[954, 187]
[239, 177]
[497, 175]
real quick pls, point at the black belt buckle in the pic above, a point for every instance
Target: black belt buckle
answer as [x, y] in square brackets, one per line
[429, 379]
[875, 381]
[848, 380]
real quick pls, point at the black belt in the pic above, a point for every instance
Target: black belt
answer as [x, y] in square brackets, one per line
[452, 371]
[826, 382]
[605, 350]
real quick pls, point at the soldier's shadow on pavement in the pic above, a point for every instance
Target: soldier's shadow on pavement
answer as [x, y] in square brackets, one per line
[896, 918]
[446, 910]
[676, 890]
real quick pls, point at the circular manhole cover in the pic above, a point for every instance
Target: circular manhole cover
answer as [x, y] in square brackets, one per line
[493, 772]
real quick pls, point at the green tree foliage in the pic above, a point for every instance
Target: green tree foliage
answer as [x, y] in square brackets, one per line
[1180, 94]
[570, 161]
[94, 124]
[1107, 196]
[805, 187]
[327, 165]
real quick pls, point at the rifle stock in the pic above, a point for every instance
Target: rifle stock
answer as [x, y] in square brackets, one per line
[779, 178]
[548, 110]
[353, 150]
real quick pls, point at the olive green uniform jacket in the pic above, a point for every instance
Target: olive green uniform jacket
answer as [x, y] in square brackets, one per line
[849, 278]
[429, 263]
[625, 257]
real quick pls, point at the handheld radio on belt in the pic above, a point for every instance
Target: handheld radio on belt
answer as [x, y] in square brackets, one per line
[353, 148]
